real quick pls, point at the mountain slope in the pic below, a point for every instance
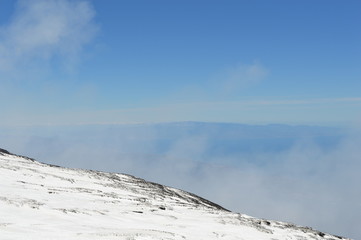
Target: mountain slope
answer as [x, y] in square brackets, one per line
[41, 201]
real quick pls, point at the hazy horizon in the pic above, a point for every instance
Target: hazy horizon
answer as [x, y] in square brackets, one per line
[302, 174]
[257, 96]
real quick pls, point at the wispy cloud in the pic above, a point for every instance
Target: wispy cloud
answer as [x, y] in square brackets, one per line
[243, 76]
[42, 31]
[306, 101]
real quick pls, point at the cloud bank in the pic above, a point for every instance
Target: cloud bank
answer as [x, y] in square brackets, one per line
[308, 176]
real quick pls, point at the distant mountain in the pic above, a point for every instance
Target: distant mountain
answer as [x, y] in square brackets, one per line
[41, 201]
[222, 140]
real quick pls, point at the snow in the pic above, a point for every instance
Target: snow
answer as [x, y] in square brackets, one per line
[40, 201]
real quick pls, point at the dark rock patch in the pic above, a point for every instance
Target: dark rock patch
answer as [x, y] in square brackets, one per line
[4, 151]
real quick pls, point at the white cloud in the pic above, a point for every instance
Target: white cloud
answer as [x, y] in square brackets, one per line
[44, 30]
[305, 183]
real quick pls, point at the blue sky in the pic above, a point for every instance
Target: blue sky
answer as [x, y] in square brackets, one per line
[76, 62]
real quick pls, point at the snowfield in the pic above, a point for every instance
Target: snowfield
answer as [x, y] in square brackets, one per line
[41, 201]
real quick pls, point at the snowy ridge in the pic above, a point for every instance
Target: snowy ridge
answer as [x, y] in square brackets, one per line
[41, 201]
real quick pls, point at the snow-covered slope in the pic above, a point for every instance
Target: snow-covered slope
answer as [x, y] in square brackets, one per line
[41, 201]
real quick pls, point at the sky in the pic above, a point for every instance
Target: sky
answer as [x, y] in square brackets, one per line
[256, 62]
[83, 84]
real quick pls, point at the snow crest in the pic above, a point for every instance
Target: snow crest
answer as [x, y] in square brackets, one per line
[41, 201]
